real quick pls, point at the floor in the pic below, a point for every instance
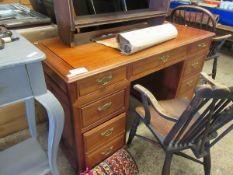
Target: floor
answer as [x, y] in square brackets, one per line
[149, 158]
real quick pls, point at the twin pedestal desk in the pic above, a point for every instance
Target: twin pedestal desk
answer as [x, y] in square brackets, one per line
[96, 102]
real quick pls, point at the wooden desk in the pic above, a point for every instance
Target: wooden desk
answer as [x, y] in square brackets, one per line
[96, 102]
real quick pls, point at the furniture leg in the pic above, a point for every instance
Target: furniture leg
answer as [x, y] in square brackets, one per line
[167, 164]
[30, 111]
[56, 122]
[214, 69]
[133, 130]
[207, 164]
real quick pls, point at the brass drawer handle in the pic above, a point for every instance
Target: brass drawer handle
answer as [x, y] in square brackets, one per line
[106, 153]
[105, 106]
[105, 80]
[164, 58]
[195, 64]
[202, 45]
[108, 132]
[189, 83]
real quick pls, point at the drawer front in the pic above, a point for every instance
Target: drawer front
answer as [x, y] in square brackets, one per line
[200, 46]
[14, 84]
[159, 60]
[188, 84]
[193, 65]
[104, 133]
[104, 151]
[104, 107]
[101, 80]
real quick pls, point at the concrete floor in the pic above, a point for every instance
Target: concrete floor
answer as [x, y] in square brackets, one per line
[149, 158]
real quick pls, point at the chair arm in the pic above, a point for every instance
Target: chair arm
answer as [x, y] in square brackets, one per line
[211, 81]
[159, 109]
[221, 38]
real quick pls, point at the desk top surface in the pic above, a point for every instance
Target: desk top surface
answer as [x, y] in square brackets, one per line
[98, 58]
[19, 52]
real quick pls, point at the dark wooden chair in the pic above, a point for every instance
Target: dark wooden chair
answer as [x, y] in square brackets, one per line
[198, 17]
[179, 124]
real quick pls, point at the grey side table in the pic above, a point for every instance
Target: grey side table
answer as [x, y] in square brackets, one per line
[22, 79]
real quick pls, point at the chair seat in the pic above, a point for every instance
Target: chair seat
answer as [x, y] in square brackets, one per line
[162, 126]
[25, 158]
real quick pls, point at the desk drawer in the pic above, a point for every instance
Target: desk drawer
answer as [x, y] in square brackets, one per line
[110, 105]
[193, 65]
[104, 133]
[188, 84]
[153, 62]
[14, 84]
[101, 80]
[104, 151]
[200, 46]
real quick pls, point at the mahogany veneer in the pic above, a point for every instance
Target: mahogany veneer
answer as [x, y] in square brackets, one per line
[96, 102]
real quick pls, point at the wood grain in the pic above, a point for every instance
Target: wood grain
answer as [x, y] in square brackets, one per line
[104, 133]
[104, 151]
[109, 18]
[160, 60]
[194, 65]
[91, 84]
[104, 107]
[81, 96]
[97, 58]
[70, 23]
[188, 84]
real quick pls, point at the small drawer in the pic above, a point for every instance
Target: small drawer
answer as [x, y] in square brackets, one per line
[104, 107]
[14, 84]
[153, 62]
[104, 151]
[104, 133]
[193, 65]
[88, 85]
[188, 84]
[200, 46]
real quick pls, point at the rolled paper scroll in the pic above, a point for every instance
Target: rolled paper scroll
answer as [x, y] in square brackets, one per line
[134, 41]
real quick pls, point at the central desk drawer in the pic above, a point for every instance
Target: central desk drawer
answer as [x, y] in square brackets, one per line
[149, 64]
[104, 133]
[101, 80]
[110, 105]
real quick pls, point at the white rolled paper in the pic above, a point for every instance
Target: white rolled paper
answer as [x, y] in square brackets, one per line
[134, 41]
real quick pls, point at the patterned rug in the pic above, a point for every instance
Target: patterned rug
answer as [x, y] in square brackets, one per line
[120, 163]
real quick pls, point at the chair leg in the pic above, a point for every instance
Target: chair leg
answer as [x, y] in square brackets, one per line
[167, 164]
[133, 130]
[207, 164]
[214, 69]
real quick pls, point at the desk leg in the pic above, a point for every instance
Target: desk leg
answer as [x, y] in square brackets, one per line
[30, 111]
[56, 123]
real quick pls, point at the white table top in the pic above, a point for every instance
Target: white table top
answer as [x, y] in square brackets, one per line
[19, 52]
